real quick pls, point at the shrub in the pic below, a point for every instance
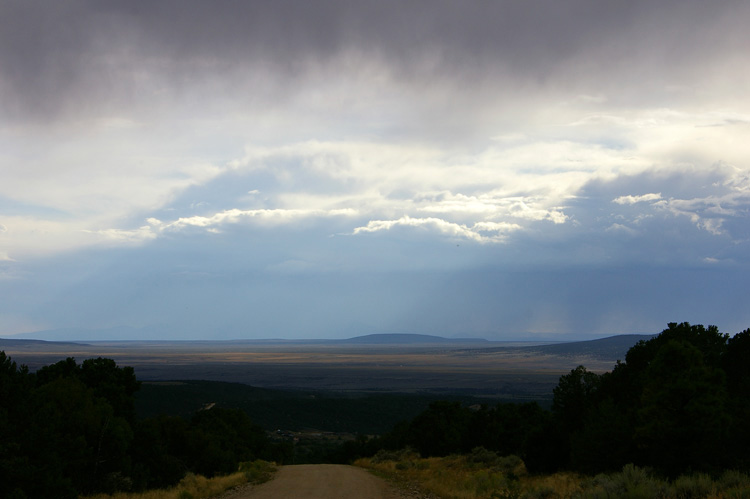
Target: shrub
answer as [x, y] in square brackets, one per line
[394, 455]
[512, 465]
[632, 482]
[480, 455]
[486, 481]
[732, 479]
[693, 486]
[194, 486]
[257, 471]
[403, 465]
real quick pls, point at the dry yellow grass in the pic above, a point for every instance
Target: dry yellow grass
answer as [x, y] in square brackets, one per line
[190, 487]
[463, 477]
[198, 487]
[455, 477]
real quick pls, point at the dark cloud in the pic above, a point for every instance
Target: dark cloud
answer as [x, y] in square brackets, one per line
[79, 57]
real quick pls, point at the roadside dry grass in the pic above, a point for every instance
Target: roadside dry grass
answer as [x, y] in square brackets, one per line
[484, 475]
[199, 487]
[190, 487]
[480, 475]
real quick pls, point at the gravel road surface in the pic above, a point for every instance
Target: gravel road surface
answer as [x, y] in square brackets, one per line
[322, 481]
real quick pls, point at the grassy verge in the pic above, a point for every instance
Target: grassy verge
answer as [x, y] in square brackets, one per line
[484, 475]
[199, 487]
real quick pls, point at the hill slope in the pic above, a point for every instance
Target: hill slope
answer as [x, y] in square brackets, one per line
[613, 347]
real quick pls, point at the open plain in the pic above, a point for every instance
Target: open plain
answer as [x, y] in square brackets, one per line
[490, 369]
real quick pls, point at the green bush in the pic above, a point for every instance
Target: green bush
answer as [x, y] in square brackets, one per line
[257, 471]
[732, 479]
[632, 482]
[692, 486]
[403, 465]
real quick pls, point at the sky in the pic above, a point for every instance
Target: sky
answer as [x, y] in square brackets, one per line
[186, 169]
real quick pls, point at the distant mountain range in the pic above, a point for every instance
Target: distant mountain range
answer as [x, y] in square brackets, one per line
[405, 339]
[157, 333]
[153, 334]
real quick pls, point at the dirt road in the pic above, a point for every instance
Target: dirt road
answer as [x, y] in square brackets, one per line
[322, 481]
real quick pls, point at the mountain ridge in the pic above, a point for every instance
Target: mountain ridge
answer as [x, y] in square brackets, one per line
[155, 333]
[407, 338]
[615, 346]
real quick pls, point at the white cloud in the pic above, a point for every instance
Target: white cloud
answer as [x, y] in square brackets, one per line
[696, 211]
[495, 231]
[637, 199]
[139, 235]
[729, 198]
[213, 223]
[492, 205]
[527, 179]
[499, 228]
[506, 183]
[274, 216]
